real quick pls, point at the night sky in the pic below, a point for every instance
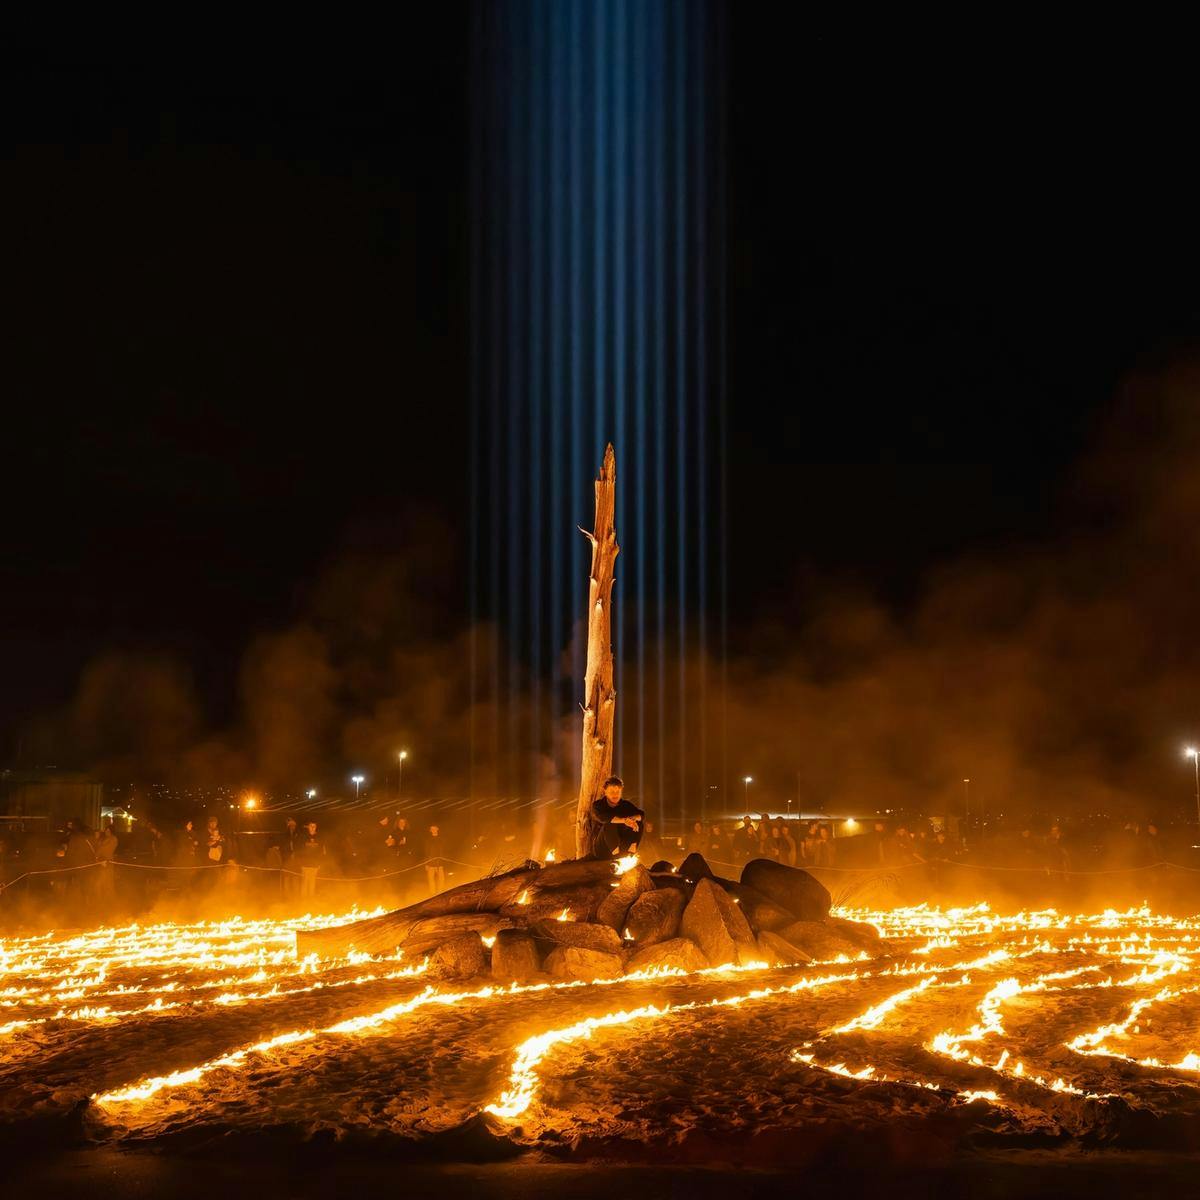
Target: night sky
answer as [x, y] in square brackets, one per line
[239, 338]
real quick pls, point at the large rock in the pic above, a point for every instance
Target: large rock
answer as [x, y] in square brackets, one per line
[819, 940]
[773, 948]
[694, 868]
[515, 957]
[460, 958]
[866, 937]
[797, 891]
[661, 867]
[760, 912]
[577, 962]
[678, 954]
[614, 907]
[654, 917]
[717, 926]
[578, 933]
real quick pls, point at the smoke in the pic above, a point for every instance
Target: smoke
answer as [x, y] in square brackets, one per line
[1060, 675]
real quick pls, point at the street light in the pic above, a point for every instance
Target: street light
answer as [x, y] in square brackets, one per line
[311, 793]
[400, 775]
[1194, 755]
[357, 780]
[746, 782]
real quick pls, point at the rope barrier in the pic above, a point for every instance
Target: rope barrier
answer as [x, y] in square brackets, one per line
[284, 870]
[211, 866]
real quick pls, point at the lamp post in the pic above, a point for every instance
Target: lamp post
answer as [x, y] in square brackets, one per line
[1194, 755]
[746, 782]
[400, 775]
[357, 780]
[311, 793]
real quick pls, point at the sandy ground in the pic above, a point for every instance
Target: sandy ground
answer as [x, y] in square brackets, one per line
[702, 1080]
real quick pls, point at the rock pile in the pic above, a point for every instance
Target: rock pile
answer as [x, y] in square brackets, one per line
[599, 920]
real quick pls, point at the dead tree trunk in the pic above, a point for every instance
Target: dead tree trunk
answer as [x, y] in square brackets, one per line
[600, 697]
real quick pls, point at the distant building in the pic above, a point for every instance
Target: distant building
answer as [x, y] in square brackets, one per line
[41, 800]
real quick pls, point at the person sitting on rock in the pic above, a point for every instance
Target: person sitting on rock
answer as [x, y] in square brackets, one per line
[620, 821]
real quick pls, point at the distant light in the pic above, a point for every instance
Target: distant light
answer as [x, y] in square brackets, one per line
[1190, 752]
[251, 802]
[748, 779]
[311, 793]
[851, 823]
[403, 755]
[357, 778]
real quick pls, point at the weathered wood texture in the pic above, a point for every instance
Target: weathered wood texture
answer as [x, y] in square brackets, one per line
[600, 696]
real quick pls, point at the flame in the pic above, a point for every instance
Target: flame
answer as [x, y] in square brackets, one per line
[549, 856]
[621, 865]
[565, 915]
[523, 898]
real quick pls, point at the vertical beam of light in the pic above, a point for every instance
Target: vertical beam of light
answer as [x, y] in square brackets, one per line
[578, 473]
[681, 243]
[597, 275]
[660, 392]
[558, 390]
[620, 58]
[700, 192]
[722, 150]
[496, 210]
[537, 361]
[517, 329]
[600, 184]
[476, 368]
[640, 204]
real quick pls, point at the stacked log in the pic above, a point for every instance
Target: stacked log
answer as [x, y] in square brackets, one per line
[585, 919]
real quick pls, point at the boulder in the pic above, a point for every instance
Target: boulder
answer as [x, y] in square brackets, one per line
[760, 912]
[865, 937]
[662, 867]
[654, 917]
[819, 940]
[694, 868]
[460, 958]
[679, 954]
[577, 962]
[792, 889]
[773, 948]
[603, 938]
[614, 907]
[515, 957]
[715, 923]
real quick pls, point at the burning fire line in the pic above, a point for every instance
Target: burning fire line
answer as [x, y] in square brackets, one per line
[168, 968]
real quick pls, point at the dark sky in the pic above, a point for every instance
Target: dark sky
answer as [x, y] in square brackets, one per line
[239, 337]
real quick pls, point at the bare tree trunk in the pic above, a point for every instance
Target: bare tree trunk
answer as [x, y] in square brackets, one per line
[600, 697]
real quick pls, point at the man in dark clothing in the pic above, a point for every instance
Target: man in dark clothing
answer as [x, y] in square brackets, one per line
[620, 821]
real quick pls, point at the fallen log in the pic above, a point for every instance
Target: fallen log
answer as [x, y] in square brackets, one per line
[414, 933]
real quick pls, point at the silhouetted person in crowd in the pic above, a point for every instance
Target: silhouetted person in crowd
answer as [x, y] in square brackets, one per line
[649, 849]
[1028, 851]
[808, 847]
[745, 841]
[216, 849]
[310, 856]
[696, 840]
[879, 845]
[716, 848]
[936, 853]
[1058, 861]
[1151, 846]
[784, 843]
[106, 853]
[435, 863]
[620, 822]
